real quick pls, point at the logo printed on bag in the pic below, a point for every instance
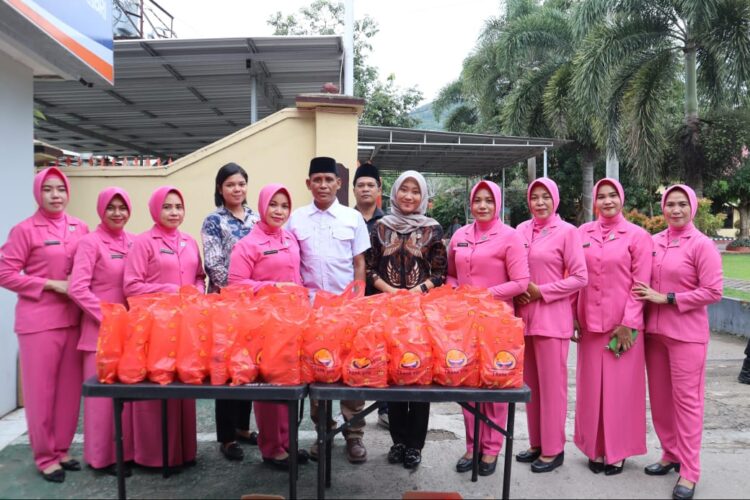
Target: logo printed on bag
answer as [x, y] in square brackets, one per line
[455, 358]
[505, 360]
[410, 360]
[361, 363]
[323, 357]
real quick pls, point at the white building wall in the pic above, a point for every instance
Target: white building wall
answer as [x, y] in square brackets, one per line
[16, 200]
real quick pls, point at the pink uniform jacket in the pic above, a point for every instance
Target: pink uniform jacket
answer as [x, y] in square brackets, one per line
[558, 266]
[498, 263]
[690, 266]
[156, 265]
[97, 277]
[613, 265]
[261, 259]
[32, 248]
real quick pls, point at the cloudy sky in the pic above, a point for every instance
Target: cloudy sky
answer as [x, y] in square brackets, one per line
[423, 42]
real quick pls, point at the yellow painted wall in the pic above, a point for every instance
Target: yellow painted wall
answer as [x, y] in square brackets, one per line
[275, 149]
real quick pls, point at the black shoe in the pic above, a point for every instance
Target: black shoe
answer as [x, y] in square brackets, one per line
[463, 464]
[302, 457]
[596, 467]
[744, 377]
[681, 492]
[412, 458]
[57, 476]
[71, 465]
[540, 466]
[527, 456]
[658, 469]
[277, 463]
[232, 451]
[396, 454]
[487, 469]
[111, 470]
[613, 470]
[252, 439]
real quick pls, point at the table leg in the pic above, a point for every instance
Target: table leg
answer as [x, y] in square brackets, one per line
[118, 404]
[329, 442]
[322, 429]
[164, 440]
[293, 446]
[508, 450]
[475, 456]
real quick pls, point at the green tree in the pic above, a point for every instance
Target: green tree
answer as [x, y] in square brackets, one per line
[386, 104]
[636, 53]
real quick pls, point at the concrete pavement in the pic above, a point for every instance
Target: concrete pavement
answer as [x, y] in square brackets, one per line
[726, 459]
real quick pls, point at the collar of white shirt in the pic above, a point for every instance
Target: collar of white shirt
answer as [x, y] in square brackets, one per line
[334, 209]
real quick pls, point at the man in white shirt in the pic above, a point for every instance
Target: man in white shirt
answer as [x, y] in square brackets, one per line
[332, 240]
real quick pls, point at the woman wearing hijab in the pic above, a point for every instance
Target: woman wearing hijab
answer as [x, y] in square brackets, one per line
[97, 277]
[558, 270]
[685, 278]
[407, 253]
[222, 229]
[610, 420]
[35, 263]
[491, 255]
[269, 256]
[163, 259]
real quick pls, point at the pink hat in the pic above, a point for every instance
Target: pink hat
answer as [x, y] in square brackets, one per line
[157, 200]
[496, 194]
[692, 198]
[105, 197]
[550, 185]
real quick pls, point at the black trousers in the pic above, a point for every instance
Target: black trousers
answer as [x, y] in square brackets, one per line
[408, 423]
[231, 415]
[746, 363]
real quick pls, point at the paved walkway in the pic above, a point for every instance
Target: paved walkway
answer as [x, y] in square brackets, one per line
[725, 455]
[736, 284]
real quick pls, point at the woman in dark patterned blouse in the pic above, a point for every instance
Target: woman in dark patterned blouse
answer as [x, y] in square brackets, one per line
[407, 252]
[221, 230]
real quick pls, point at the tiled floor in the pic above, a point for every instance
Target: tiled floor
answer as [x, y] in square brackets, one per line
[12, 426]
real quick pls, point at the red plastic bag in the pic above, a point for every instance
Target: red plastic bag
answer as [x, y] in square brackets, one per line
[161, 361]
[244, 361]
[367, 363]
[226, 324]
[354, 290]
[112, 332]
[326, 343]
[196, 337]
[409, 350]
[501, 349]
[287, 321]
[132, 366]
[454, 343]
[241, 293]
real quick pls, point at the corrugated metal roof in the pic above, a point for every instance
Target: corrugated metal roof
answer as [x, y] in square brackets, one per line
[174, 96]
[398, 149]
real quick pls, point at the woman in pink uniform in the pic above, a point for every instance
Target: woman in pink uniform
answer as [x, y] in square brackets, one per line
[686, 277]
[610, 420]
[35, 263]
[558, 270]
[489, 254]
[269, 256]
[163, 259]
[97, 277]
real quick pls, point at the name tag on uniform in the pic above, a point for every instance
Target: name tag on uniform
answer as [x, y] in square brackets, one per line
[586, 245]
[117, 256]
[167, 251]
[462, 245]
[270, 252]
[51, 242]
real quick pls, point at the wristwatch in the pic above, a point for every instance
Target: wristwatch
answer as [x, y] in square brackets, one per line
[671, 298]
[423, 287]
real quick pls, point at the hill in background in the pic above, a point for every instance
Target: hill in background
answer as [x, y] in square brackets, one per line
[426, 119]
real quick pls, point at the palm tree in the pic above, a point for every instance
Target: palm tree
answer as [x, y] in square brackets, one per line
[634, 56]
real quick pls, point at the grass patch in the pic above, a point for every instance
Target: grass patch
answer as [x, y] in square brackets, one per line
[737, 294]
[736, 266]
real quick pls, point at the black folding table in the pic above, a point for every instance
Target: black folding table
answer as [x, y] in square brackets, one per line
[326, 393]
[121, 393]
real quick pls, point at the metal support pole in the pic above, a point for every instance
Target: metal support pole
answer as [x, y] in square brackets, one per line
[545, 162]
[502, 206]
[348, 48]
[253, 99]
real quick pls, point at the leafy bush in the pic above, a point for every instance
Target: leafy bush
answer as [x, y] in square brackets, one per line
[739, 242]
[653, 224]
[706, 222]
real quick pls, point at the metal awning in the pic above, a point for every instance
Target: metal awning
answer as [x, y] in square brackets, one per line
[174, 96]
[454, 153]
